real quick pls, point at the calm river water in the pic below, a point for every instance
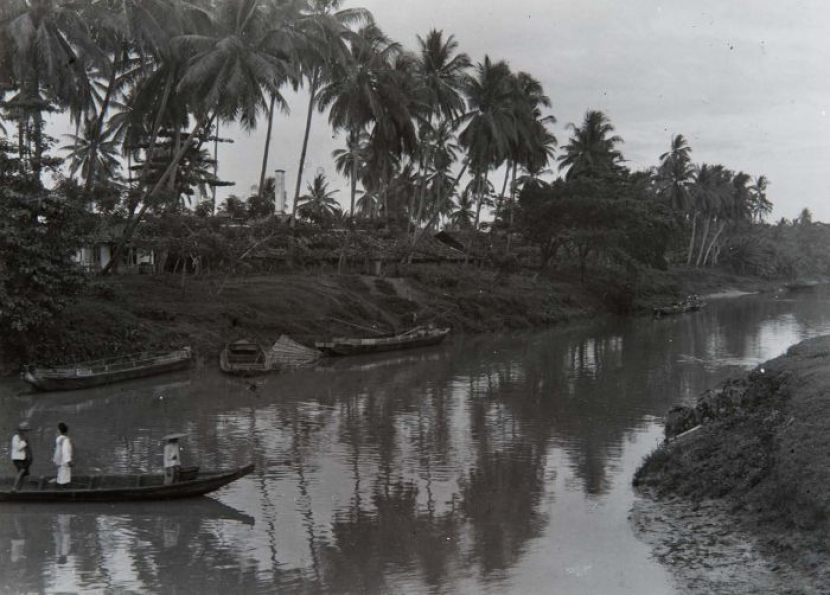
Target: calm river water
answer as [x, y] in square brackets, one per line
[497, 464]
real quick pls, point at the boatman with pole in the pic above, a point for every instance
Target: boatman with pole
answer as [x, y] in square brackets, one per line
[21, 453]
[172, 457]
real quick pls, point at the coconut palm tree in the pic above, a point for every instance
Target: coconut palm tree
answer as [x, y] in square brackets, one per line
[591, 150]
[228, 72]
[675, 174]
[352, 92]
[325, 28]
[491, 123]
[319, 204]
[94, 156]
[50, 51]
[761, 205]
[441, 71]
[463, 213]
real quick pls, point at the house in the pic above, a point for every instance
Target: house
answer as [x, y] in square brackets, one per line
[99, 247]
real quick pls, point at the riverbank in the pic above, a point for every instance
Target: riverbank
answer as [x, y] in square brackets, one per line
[756, 471]
[125, 314]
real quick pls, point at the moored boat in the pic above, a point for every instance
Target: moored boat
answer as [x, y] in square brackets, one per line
[106, 371]
[115, 488]
[243, 357]
[691, 304]
[417, 337]
[247, 358]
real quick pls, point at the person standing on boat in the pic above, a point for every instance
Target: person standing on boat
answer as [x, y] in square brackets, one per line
[21, 452]
[172, 458]
[63, 455]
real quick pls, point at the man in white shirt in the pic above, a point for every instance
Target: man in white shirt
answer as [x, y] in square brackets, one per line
[172, 458]
[63, 455]
[21, 453]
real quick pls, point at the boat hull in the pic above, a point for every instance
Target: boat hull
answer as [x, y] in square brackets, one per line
[363, 346]
[146, 487]
[45, 382]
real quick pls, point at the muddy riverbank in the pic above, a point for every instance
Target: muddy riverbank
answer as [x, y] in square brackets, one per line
[131, 313]
[743, 502]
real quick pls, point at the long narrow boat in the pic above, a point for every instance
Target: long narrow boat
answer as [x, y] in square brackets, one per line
[681, 308]
[106, 371]
[417, 337]
[118, 488]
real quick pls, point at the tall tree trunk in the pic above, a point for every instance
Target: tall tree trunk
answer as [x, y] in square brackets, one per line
[703, 238]
[99, 125]
[341, 262]
[145, 199]
[480, 192]
[312, 97]
[501, 198]
[165, 97]
[437, 212]
[712, 243]
[215, 165]
[692, 240]
[512, 208]
[267, 145]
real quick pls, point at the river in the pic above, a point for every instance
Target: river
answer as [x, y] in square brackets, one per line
[490, 464]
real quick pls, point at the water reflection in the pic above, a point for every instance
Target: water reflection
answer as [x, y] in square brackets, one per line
[462, 468]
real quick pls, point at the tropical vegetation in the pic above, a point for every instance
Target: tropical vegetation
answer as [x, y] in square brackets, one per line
[149, 85]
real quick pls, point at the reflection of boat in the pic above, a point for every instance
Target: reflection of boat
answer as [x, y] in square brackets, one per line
[108, 488]
[196, 508]
[802, 285]
[106, 371]
[688, 305]
[246, 357]
[417, 337]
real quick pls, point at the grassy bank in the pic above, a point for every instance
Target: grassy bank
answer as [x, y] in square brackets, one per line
[131, 313]
[763, 447]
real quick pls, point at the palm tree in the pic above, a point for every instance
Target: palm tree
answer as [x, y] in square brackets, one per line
[441, 72]
[591, 150]
[709, 193]
[463, 214]
[675, 174]
[95, 156]
[535, 145]
[491, 128]
[319, 203]
[324, 28]
[352, 93]
[761, 206]
[228, 70]
[50, 50]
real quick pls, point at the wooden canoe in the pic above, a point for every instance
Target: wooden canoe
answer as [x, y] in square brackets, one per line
[418, 337]
[679, 308]
[118, 488]
[106, 371]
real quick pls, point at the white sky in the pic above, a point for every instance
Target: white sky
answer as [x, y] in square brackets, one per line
[746, 81]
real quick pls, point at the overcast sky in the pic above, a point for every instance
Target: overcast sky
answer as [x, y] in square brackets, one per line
[746, 81]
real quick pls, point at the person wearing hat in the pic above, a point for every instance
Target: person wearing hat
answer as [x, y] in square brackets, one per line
[172, 458]
[21, 452]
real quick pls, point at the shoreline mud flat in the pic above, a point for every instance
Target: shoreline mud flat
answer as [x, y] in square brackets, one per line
[707, 550]
[741, 503]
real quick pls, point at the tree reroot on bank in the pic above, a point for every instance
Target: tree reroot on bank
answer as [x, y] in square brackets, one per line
[762, 447]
